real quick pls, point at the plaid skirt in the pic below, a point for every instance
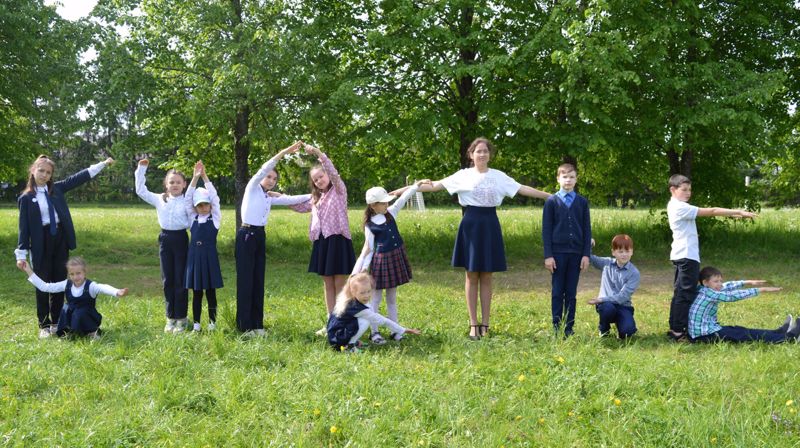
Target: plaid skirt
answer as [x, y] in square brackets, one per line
[390, 269]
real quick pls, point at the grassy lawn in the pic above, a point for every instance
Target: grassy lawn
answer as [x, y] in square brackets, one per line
[520, 387]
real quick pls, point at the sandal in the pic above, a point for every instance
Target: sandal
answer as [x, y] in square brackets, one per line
[484, 330]
[477, 336]
[377, 339]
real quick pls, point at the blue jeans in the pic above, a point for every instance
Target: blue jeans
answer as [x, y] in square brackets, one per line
[742, 334]
[620, 315]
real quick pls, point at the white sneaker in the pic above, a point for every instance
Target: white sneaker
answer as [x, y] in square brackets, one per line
[377, 339]
[260, 332]
[44, 333]
[322, 331]
[170, 326]
[180, 325]
[94, 335]
[211, 326]
[196, 327]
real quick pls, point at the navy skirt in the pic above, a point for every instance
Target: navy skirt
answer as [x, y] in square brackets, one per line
[479, 244]
[333, 255]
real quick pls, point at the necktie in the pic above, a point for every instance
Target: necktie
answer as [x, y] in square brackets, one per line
[568, 200]
[52, 212]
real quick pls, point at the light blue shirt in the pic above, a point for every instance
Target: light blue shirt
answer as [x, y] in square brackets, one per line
[564, 195]
[617, 284]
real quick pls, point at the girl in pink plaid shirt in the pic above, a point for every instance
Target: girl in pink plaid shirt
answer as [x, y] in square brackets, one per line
[332, 255]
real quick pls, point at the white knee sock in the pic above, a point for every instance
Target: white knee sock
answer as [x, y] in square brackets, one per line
[375, 305]
[391, 304]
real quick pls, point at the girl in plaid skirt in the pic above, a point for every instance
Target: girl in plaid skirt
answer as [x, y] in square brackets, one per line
[384, 254]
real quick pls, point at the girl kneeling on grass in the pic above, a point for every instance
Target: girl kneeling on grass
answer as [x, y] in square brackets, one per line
[384, 254]
[78, 315]
[352, 316]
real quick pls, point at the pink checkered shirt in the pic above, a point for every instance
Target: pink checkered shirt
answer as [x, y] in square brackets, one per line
[329, 215]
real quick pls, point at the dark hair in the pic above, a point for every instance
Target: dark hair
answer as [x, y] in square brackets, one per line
[621, 241]
[475, 144]
[709, 271]
[369, 213]
[172, 171]
[676, 180]
[316, 193]
[31, 185]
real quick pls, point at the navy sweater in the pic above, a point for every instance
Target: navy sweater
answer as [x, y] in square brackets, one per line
[566, 229]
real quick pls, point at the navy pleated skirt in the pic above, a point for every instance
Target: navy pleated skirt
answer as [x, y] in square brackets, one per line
[333, 255]
[479, 244]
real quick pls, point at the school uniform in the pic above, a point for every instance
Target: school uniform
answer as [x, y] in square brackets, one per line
[566, 237]
[79, 314]
[47, 232]
[685, 256]
[332, 246]
[173, 245]
[617, 285]
[347, 328]
[250, 248]
[202, 262]
[479, 245]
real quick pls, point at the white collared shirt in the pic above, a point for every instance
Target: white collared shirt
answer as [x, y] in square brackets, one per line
[481, 189]
[77, 291]
[256, 203]
[171, 213]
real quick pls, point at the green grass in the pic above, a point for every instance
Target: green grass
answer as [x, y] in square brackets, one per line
[521, 387]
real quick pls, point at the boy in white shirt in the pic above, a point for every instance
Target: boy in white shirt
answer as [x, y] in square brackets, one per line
[685, 254]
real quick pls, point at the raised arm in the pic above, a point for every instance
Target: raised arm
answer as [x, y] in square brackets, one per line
[328, 166]
[729, 212]
[532, 192]
[140, 182]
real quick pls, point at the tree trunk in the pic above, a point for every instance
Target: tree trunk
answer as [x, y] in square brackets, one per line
[241, 151]
[467, 106]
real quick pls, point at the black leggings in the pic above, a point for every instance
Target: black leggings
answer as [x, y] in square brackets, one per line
[197, 304]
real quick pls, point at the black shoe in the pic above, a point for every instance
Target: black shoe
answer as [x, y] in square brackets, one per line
[786, 324]
[677, 337]
[477, 336]
[484, 330]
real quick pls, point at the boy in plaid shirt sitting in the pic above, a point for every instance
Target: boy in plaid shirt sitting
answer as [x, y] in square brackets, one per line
[703, 326]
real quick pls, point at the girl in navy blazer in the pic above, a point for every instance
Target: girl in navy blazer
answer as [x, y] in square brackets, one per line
[46, 231]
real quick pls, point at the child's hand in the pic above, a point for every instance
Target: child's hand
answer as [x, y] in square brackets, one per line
[109, 161]
[122, 292]
[144, 162]
[769, 289]
[422, 182]
[274, 194]
[744, 214]
[198, 168]
[413, 331]
[311, 149]
[592, 242]
[595, 301]
[398, 192]
[584, 263]
[24, 267]
[755, 282]
[550, 264]
[294, 147]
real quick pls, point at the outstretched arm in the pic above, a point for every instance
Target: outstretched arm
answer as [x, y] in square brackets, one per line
[729, 212]
[532, 192]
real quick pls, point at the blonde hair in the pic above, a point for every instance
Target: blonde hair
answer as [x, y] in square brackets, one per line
[346, 296]
[31, 186]
[78, 262]
[316, 193]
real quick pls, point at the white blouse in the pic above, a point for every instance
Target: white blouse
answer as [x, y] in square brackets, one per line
[77, 291]
[257, 203]
[171, 213]
[481, 189]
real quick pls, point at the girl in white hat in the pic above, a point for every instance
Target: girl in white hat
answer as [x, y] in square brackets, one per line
[384, 254]
[202, 263]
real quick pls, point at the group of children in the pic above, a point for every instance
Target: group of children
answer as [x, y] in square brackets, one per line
[353, 289]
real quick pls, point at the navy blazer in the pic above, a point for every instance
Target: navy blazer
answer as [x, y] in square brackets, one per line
[566, 229]
[31, 231]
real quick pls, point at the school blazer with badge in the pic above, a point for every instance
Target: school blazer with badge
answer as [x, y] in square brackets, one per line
[31, 232]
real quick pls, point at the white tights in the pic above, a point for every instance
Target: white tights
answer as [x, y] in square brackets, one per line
[391, 304]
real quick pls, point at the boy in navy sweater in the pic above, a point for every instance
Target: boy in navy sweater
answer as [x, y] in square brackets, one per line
[567, 239]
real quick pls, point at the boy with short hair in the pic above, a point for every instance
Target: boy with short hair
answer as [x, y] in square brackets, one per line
[567, 236]
[619, 281]
[703, 325]
[685, 254]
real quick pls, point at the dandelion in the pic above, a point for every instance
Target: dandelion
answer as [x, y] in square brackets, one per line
[377, 404]
[570, 414]
[334, 429]
[617, 402]
[560, 360]
[518, 418]
[713, 440]
[541, 420]
[317, 412]
[790, 402]
[521, 378]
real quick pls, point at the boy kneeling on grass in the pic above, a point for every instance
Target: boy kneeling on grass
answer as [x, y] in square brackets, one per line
[619, 281]
[703, 326]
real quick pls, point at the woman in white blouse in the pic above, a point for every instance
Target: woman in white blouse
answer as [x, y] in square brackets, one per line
[479, 245]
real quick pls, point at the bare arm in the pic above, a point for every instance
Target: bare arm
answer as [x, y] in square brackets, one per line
[719, 211]
[532, 192]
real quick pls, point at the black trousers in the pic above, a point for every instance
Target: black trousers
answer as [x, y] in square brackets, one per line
[251, 262]
[197, 304]
[51, 268]
[173, 245]
[687, 274]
